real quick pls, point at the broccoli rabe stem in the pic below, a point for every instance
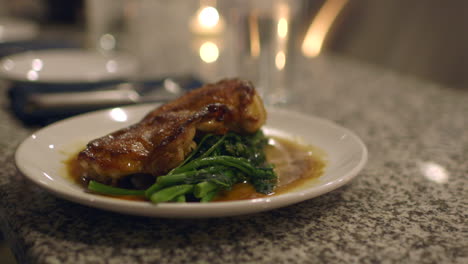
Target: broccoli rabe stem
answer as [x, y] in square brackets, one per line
[212, 148]
[180, 199]
[173, 179]
[203, 188]
[170, 193]
[209, 196]
[109, 190]
[194, 152]
[238, 163]
[168, 180]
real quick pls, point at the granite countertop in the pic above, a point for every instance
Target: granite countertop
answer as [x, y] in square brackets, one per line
[408, 205]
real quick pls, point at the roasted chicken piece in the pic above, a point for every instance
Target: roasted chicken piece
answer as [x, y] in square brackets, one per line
[165, 136]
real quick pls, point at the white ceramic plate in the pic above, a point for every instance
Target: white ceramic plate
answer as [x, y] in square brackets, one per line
[41, 159]
[66, 66]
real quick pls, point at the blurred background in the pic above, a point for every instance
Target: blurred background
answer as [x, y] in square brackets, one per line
[425, 39]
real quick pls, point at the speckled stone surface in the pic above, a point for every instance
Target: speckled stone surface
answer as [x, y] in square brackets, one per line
[391, 213]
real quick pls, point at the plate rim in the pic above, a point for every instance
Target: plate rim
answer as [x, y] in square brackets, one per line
[202, 210]
[5, 74]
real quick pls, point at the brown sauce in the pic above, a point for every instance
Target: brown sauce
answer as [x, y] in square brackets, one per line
[74, 171]
[296, 164]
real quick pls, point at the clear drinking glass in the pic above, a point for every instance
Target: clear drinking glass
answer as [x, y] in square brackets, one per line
[209, 39]
[263, 39]
[177, 37]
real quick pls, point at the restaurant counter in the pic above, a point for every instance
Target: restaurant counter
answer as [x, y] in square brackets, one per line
[408, 205]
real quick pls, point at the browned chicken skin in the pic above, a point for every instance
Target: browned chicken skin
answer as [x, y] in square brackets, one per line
[164, 137]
